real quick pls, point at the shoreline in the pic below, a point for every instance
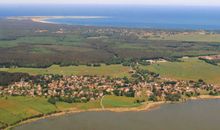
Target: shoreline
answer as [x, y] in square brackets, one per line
[43, 19]
[144, 107]
[205, 97]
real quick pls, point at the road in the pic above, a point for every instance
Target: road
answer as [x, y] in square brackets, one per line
[101, 104]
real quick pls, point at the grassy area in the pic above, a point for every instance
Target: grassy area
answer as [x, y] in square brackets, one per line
[80, 106]
[16, 108]
[196, 37]
[111, 70]
[116, 101]
[189, 69]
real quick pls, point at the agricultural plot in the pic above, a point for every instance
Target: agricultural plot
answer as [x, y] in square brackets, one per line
[189, 69]
[103, 70]
[119, 101]
[14, 109]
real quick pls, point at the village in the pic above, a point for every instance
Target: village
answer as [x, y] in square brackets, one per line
[141, 84]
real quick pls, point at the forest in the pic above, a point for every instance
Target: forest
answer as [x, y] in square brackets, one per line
[24, 43]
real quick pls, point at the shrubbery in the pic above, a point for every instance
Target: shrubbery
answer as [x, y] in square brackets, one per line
[8, 78]
[173, 97]
[213, 62]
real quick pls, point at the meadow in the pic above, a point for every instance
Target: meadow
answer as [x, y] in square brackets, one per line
[188, 69]
[15, 109]
[119, 101]
[103, 70]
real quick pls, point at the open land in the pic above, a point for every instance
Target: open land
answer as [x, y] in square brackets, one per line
[103, 70]
[14, 109]
[188, 69]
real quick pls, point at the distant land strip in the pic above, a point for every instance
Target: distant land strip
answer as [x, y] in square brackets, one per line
[43, 19]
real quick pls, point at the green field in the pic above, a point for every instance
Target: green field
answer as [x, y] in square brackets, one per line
[106, 70]
[119, 101]
[14, 109]
[189, 69]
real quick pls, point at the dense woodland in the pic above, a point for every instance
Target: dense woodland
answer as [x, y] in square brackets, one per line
[24, 43]
[9, 78]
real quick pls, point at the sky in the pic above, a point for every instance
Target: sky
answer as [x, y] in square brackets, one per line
[136, 2]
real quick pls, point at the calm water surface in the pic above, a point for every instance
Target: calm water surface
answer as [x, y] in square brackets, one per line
[160, 17]
[193, 115]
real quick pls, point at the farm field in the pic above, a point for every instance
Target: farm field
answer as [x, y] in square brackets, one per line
[119, 101]
[14, 109]
[189, 69]
[103, 70]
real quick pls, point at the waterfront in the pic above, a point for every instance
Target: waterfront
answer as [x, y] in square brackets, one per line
[192, 115]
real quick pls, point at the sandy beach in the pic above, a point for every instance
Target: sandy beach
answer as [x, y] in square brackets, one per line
[205, 97]
[43, 19]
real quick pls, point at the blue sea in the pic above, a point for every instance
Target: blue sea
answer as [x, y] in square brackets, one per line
[155, 17]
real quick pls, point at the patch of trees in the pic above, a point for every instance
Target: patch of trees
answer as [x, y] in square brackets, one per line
[54, 99]
[212, 62]
[144, 62]
[114, 60]
[8, 65]
[16, 64]
[172, 59]
[8, 78]
[127, 61]
[153, 98]
[170, 82]
[173, 97]
[189, 94]
[93, 65]
[139, 101]
[96, 65]
[3, 125]
[130, 93]
[65, 63]
[213, 93]
[199, 83]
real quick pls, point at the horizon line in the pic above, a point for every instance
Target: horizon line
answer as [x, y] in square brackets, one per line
[118, 4]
